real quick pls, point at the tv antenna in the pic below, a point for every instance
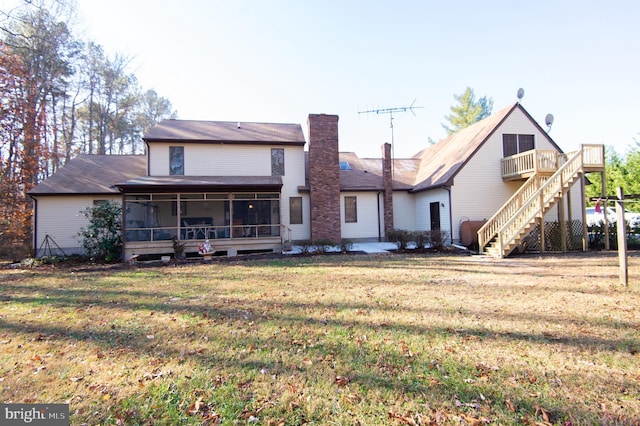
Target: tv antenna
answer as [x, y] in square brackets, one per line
[391, 111]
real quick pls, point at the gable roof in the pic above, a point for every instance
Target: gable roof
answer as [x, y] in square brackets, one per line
[92, 174]
[440, 163]
[225, 132]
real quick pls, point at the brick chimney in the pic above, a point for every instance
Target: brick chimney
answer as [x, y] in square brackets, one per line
[324, 177]
[387, 181]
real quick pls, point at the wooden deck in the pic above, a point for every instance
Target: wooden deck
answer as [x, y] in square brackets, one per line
[243, 239]
[541, 162]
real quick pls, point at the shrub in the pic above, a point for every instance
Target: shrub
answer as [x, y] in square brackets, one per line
[346, 245]
[101, 239]
[437, 238]
[434, 239]
[400, 237]
[305, 246]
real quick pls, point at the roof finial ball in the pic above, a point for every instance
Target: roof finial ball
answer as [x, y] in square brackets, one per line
[520, 94]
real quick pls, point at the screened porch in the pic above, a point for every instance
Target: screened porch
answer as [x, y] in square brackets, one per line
[240, 219]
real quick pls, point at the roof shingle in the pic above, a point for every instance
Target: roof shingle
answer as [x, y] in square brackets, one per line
[93, 174]
[225, 131]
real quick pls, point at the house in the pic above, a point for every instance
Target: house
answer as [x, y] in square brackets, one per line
[248, 187]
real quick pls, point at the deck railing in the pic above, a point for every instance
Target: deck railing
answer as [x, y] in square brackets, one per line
[530, 163]
[593, 156]
[202, 232]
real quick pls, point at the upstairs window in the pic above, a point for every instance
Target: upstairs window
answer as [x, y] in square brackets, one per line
[176, 160]
[344, 165]
[513, 144]
[277, 162]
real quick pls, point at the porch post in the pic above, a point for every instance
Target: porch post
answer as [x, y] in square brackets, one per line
[563, 226]
[585, 231]
[541, 211]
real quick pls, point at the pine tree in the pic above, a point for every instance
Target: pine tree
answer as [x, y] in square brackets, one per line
[467, 111]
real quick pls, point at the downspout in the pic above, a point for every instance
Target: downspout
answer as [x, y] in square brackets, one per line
[148, 155]
[379, 221]
[34, 238]
[123, 227]
[450, 216]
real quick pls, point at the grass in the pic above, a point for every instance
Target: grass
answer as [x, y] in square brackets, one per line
[337, 340]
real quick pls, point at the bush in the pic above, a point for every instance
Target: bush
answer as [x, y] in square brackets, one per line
[597, 236]
[400, 237]
[102, 238]
[346, 245]
[434, 239]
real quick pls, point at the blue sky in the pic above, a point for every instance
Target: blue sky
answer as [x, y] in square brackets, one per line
[278, 61]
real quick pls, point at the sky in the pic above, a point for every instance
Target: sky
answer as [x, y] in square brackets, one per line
[279, 61]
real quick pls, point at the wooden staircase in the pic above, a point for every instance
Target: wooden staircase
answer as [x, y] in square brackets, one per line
[540, 193]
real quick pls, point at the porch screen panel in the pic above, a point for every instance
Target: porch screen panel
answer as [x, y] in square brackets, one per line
[255, 216]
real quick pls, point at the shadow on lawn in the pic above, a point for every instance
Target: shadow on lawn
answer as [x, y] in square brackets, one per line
[274, 310]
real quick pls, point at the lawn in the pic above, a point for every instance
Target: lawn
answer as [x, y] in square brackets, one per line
[336, 340]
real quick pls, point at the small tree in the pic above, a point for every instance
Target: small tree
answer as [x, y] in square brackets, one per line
[101, 239]
[467, 111]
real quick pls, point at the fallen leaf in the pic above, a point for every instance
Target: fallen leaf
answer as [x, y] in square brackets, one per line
[546, 414]
[510, 405]
[404, 419]
[342, 380]
[472, 421]
[434, 382]
[77, 379]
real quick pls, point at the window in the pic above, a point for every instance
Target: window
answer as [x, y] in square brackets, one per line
[295, 210]
[277, 162]
[176, 160]
[350, 209]
[513, 144]
[100, 202]
[344, 165]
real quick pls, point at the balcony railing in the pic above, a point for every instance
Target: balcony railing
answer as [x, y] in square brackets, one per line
[547, 162]
[202, 232]
[529, 163]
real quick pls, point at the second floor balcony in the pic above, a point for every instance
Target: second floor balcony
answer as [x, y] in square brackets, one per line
[547, 161]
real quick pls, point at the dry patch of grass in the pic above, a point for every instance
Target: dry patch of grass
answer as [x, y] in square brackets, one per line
[328, 340]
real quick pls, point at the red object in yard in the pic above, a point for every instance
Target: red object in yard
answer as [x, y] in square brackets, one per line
[469, 231]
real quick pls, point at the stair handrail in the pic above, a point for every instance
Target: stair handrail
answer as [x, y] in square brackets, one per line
[539, 199]
[490, 229]
[285, 237]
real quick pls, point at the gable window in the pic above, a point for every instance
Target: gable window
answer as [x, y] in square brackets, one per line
[295, 210]
[176, 160]
[350, 209]
[513, 144]
[277, 161]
